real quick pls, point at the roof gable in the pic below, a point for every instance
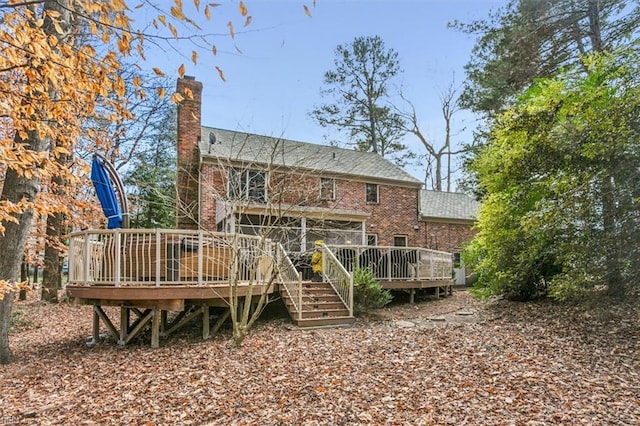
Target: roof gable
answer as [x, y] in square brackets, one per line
[265, 150]
[448, 205]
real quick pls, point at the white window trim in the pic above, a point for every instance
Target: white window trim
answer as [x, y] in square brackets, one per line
[245, 194]
[333, 189]
[367, 192]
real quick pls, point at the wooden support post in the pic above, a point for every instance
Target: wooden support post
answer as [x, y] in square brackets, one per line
[124, 325]
[155, 328]
[205, 322]
[412, 294]
[96, 325]
[437, 292]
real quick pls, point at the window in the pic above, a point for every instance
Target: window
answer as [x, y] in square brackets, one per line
[372, 239]
[248, 185]
[327, 189]
[399, 240]
[372, 193]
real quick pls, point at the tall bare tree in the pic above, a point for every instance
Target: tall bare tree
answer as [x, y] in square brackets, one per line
[435, 153]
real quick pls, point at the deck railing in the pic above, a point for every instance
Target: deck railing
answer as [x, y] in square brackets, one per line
[340, 279]
[289, 279]
[396, 263]
[164, 257]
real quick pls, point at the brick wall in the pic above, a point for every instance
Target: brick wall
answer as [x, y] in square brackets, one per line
[394, 215]
[214, 186]
[188, 155]
[449, 237]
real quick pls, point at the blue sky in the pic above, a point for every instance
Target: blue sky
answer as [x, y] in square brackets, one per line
[275, 82]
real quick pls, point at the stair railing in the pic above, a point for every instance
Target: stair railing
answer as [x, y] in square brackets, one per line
[339, 278]
[289, 278]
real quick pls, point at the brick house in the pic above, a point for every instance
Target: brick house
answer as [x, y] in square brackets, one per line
[300, 192]
[292, 192]
[447, 220]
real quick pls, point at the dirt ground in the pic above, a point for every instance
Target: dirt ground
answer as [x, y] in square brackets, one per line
[449, 361]
[461, 303]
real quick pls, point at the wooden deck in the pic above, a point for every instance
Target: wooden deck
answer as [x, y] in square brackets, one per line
[166, 297]
[163, 309]
[163, 279]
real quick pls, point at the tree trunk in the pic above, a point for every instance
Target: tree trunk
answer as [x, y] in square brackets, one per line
[51, 275]
[449, 171]
[438, 182]
[5, 322]
[594, 26]
[447, 146]
[24, 278]
[16, 188]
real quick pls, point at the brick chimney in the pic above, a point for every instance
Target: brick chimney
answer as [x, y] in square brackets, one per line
[189, 114]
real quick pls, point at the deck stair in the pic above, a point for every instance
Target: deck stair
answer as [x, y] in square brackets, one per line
[321, 306]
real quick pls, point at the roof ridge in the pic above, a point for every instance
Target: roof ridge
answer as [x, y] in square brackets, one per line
[339, 148]
[328, 156]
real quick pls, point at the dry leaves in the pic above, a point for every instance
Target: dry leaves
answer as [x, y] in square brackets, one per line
[512, 364]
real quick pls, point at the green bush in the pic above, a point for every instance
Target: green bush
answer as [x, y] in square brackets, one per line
[367, 292]
[559, 177]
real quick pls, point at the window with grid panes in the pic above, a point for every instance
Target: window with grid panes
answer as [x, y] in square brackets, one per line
[327, 189]
[372, 193]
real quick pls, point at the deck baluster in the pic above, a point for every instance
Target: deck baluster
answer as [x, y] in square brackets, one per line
[87, 258]
[158, 258]
[118, 259]
[200, 254]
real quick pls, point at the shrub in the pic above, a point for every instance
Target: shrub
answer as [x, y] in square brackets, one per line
[367, 292]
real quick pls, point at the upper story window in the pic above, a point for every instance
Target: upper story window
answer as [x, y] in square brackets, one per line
[327, 189]
[372, 193]
[248, 185]
[399, 240]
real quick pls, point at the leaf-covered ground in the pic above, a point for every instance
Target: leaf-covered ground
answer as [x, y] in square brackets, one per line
[450, 361]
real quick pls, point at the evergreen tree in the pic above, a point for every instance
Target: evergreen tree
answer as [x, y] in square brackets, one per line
[360, 107]
[152, 179]
[531, 39]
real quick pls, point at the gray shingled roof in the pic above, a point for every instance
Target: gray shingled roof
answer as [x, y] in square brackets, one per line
[249, 148]
[448, 205]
